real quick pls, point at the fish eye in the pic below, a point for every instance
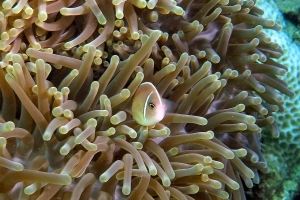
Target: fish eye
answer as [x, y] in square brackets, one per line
[151, 105]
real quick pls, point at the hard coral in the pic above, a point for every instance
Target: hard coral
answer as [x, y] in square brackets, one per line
[69, 70]
[277, 150]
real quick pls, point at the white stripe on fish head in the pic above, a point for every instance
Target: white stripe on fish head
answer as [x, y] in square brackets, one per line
[146, 105]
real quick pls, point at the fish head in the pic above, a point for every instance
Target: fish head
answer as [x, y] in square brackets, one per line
[148, 108]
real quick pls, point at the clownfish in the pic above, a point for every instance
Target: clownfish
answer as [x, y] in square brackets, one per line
[148, 107]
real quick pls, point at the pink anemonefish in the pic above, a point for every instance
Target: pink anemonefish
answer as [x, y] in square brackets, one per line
[148, 107]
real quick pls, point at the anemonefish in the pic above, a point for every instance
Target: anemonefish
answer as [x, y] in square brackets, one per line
[148, 107]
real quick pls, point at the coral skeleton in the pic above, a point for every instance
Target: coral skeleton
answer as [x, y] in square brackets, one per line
[69, 70]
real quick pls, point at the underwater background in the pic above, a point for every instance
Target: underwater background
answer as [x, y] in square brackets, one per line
[70, 70]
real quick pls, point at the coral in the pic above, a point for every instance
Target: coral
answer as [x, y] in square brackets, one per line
[70, 69]
[284, 150]
[289, 12]
[290, 9]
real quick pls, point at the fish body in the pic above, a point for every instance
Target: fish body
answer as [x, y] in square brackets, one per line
[148, 107]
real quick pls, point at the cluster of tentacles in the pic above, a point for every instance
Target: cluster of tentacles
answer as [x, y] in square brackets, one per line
[69, 70]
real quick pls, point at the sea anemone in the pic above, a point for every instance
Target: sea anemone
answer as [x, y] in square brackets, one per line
[70, 69]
